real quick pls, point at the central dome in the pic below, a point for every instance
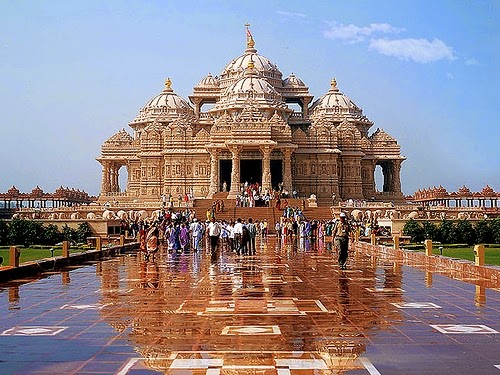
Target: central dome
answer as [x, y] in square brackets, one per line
[264, 67]
[250, 87]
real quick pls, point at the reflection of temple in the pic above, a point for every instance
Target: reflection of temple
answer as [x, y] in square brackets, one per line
[250, 125]
[249, 314]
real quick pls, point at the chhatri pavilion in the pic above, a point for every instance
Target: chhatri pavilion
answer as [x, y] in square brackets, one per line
[249, 124]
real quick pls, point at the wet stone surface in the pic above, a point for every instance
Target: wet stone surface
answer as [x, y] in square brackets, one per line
[287, 310]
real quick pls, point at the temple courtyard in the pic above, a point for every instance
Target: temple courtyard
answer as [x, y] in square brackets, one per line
[287, 310]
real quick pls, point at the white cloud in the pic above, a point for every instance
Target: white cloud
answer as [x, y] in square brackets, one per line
[418, 50]
[291, 14]
[471, 61]
[355, 34]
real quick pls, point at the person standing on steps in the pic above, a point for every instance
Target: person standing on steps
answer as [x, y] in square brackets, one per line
[341, 240]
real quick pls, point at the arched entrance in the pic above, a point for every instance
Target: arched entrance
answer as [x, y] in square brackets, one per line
[251, 171]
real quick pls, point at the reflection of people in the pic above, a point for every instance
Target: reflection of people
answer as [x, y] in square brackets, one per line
[341, 235]
[152, 242]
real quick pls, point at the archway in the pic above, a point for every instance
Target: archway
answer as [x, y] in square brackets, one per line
[251, 171]
[276, 173]
[122, 179]
[225, 168]
[379, 178]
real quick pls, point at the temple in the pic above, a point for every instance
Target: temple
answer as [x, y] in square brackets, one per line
[249, 124]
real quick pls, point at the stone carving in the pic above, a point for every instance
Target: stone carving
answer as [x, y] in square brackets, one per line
[251, 105]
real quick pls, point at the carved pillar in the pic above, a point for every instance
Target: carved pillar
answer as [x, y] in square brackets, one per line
[214, 172]
[116, 182]
[266, 167]
[235, 171]
[287, 168]
[396, 176]
[105, 186]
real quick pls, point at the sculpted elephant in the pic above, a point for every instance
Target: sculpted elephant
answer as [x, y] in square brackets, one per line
[155, 214]
[463, 215]
[75, 215]
[357, 214]
[108, 215]
[377, 214]
[122, 215]
[91, 216]
[142, 215]
[132, 215]
[413, 215]
[367, 215]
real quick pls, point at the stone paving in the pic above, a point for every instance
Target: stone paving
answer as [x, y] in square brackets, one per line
[287, 310]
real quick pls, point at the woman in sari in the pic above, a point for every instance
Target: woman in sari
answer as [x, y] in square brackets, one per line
[184, 237]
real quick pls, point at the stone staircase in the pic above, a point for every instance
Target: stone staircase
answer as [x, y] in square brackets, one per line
[271, 214]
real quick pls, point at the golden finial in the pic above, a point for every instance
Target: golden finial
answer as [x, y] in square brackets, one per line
[333, 82]
[168, 83]
[251, 65]
[250, 41]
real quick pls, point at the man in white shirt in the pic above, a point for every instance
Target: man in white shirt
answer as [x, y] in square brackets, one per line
[238, 232]
[196, 230]
[214, 233]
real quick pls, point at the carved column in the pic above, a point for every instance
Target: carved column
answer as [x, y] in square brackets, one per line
[214, 172]
[396, 176]
[105, 186]
[287, 168]
[266, 167]
[235, 171]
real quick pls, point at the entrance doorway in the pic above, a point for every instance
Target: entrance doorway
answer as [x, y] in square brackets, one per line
[277, 173]
[225, 167]
[251, 171]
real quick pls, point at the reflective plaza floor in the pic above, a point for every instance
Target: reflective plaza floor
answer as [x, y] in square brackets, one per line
[287, 310]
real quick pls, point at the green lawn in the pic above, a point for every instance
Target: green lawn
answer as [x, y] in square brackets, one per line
[28, 254]
[491, 256]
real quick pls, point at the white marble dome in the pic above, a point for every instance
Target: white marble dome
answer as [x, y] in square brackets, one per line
[164, 105]
[208, 81]
[293, 81]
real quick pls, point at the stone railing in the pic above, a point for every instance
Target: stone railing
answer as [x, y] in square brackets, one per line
[487, 276]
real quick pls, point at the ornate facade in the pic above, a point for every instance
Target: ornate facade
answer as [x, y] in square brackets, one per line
[248, 124]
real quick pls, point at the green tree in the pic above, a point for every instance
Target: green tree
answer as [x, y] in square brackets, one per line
[69, 234]
[430, 230]
[4, 233]
[51, 235]
[414, 230]
[83, 232]
[446, 232]
[33, 233]
[484, 232]
[17, 231]
[465, 232]
[495, 230]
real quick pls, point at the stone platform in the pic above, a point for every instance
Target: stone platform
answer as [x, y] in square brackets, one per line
[288, 310]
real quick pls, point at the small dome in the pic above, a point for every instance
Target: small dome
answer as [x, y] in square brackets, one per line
[167, 98]
[335, 99]
[293, 81]
[119, 138]
[208, 81]
[166, 104]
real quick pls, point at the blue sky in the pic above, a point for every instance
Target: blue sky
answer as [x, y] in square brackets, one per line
[73, 73]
